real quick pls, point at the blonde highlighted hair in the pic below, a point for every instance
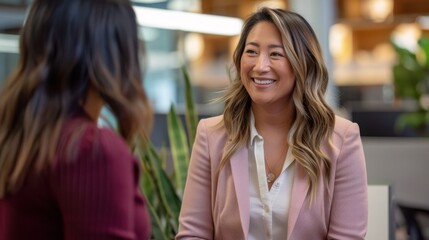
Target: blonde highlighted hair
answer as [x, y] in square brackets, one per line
[314, 118]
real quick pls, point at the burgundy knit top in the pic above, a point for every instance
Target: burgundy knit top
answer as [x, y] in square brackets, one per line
[89, 192]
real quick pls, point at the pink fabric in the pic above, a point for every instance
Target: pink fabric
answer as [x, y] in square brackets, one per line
[94, 195]
[217, 207]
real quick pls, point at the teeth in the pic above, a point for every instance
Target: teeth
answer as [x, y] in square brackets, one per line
[263, 82]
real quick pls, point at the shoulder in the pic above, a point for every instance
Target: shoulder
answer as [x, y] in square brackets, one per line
[105, 142]
[211, 132]
[110, 142]
[343, 127]
[212, 126]
[83, 139]
[212, 122]
[344, 132]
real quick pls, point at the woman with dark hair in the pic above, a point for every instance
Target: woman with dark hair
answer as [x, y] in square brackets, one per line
[61, 176]
[278, 164]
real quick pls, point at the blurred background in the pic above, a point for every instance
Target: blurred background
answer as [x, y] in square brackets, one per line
[377, 53]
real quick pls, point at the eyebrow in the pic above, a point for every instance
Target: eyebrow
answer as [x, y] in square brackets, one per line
[269, 46]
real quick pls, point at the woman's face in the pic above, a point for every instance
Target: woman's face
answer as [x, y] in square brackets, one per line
[266, 72]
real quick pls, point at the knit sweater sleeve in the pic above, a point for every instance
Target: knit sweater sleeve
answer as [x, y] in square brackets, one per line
[96, 188]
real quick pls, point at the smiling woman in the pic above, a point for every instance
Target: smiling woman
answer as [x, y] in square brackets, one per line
[278, 164]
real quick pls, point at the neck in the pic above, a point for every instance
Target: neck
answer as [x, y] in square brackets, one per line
[279, 119]
[93, 103]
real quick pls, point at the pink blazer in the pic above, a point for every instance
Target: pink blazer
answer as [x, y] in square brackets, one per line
[217, 206]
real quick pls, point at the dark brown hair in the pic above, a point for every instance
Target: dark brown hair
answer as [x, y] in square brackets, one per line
[67, 47]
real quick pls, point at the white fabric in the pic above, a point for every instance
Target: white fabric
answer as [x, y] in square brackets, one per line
[268, 208]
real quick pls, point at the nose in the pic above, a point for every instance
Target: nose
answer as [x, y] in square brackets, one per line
[262, 63]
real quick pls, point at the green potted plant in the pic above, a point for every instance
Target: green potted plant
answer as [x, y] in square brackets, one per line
[163, 190]
[411, 82]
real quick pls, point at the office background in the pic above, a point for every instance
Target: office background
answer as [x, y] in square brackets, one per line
[356, 37]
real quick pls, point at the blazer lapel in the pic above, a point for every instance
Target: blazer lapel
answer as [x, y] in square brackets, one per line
[299, 193]
[240, 175]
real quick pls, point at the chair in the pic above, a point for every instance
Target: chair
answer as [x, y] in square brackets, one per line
[380, 213]
[416, 221]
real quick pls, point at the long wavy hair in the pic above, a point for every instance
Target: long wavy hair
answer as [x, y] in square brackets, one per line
[66, 48]
[314, 120]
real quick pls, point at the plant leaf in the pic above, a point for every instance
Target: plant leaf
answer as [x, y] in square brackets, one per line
[157, 232]
[190, 113]
[179, 148]
[165, 191]
[424, 44]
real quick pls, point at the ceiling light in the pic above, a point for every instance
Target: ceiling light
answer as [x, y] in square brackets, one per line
[148, 1]
[189, 22]
[164, 19]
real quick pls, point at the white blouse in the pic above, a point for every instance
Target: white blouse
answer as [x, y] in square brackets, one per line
[268, 208]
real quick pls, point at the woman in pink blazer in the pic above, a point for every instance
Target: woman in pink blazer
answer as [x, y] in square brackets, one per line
[278, 164]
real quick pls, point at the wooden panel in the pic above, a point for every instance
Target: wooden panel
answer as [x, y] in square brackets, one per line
[349, 9]
[368, 38]
[402, 7]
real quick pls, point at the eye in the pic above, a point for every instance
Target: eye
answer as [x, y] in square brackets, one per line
[277, 54]
[250, 52]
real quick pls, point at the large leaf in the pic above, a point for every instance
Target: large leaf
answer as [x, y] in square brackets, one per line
[147, 185]
[157, 226]
[408, 73]
[167, 195]
[190, 114]
[424, 44]
[406, 81]
[179, 148]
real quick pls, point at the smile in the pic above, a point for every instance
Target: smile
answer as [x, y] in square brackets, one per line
[263, 81]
